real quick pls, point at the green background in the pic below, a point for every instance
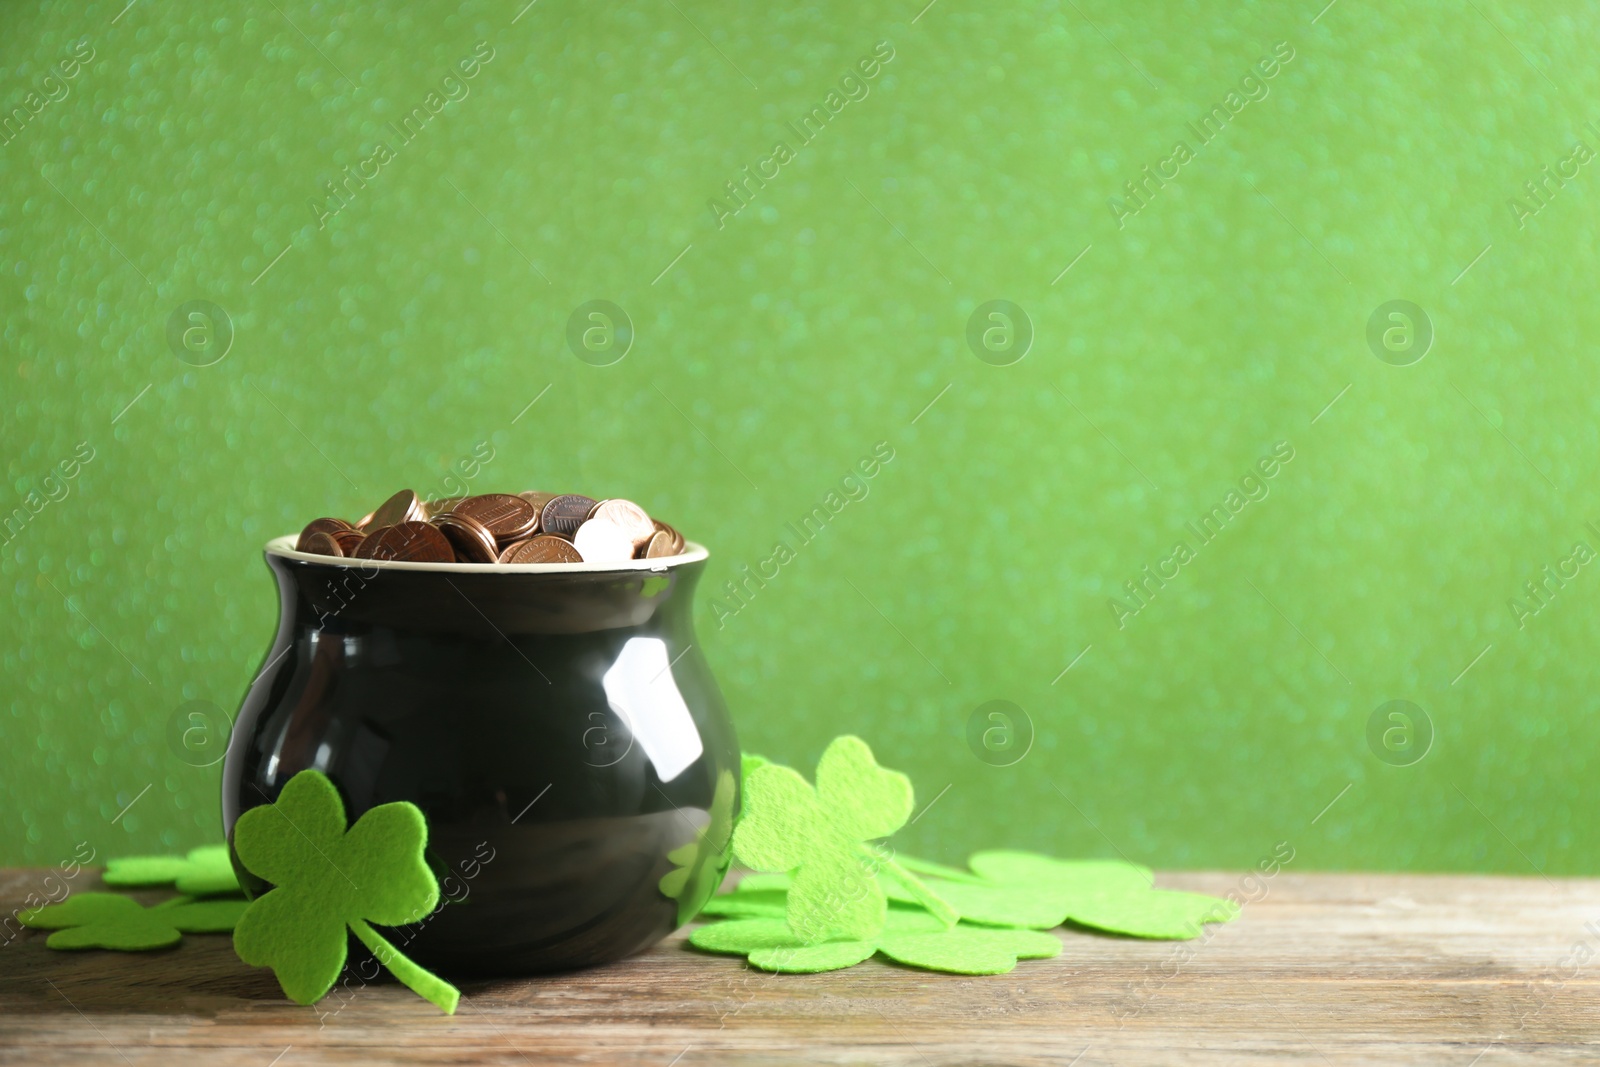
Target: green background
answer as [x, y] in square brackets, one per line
[771, 355]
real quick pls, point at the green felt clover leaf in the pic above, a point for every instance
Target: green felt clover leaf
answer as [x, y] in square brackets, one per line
[106, 920]
[1029, 890]
[205, 871]
[752, 881]
[1023, 890]
[701, 864]
[911, 937]
[326, 879]
[749, 761]
[745, 903]
[820, 836]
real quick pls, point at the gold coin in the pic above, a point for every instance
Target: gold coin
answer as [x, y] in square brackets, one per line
[542, 549]
[602, 541]
[471, 539]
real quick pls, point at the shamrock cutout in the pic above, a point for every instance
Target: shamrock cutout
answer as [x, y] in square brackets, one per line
[752, 881]
[701, 864]
[745, 903]
[326, 879]
[1024, 889]
[106, 920]
[205, 871]
[820, 836]
[939, 870]
[908, 936]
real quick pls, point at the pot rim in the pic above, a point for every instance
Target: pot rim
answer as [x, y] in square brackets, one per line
[693, 552]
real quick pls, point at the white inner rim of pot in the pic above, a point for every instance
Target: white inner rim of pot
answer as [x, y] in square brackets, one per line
[284, 546]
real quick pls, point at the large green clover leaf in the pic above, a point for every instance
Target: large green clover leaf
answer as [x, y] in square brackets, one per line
[205, 871]
[1108, 895]
[820, 835]
[326, 879]
[909, 936]
[1025, 889]
[106, 920]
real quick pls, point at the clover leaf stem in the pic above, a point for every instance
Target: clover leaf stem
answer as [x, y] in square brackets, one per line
[936, 905]
[939, 870]
[423, 983]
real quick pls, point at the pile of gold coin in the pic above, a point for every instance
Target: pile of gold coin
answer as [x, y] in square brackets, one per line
[496, 528]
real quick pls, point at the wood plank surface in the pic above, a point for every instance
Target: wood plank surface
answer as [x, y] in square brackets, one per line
[1338, 969]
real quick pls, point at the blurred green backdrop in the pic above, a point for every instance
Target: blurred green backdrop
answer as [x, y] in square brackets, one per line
[1210, 317]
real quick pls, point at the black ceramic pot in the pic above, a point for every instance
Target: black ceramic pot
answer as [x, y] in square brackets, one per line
[557, 725]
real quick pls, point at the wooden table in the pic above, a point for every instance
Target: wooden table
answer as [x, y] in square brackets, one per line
[1332, 968]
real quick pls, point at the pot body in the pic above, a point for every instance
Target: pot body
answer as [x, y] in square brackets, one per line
[561, 732]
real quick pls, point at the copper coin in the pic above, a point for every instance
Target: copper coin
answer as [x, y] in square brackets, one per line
[348, 540]
[509, 518]
[472, 540]
[563, 514]
[538, 500]
[443, 506]
[602, 541]
[542, 549]
[628, 517]
[316, 526]
[677, 538]
[369, 544]
[660, 544]
[319, 544]
[402, 507]
[413, 542]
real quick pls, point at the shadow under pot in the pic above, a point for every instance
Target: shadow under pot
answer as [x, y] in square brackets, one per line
[557, 725]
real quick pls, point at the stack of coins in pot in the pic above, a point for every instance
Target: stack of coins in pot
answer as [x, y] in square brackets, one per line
[497, 528]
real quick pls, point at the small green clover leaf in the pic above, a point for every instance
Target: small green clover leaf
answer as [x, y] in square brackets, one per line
[106, 920]
[911, 937]
[770, 945]
[326, 879]
[967, 949]
[820, 836]
[205, 871]
[702, 863]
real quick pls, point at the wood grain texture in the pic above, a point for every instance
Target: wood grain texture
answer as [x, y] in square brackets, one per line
[1337, 969]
